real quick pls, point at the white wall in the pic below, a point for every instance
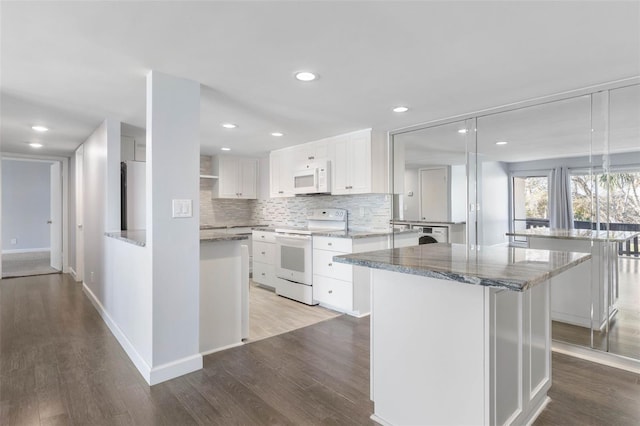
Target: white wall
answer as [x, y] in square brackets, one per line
[173, 157]
[101, 156]
[25, 204]
[411, 203]
[493, 223]
[458, 188]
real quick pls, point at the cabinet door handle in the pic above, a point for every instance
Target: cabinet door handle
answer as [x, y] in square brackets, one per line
[263, 252]
[311, 157]
[330, 291]
[263, 274]
[262, 236]
[280, 192]
[331, 264]
[329, 244]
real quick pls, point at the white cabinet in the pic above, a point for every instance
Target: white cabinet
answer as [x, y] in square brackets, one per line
[264, 254]
[237, 177]
[310, 152]
[133, 149]
[338, 286]
[281, 163]
[359, 164]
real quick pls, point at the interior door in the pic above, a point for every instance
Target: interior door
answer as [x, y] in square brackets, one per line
[55, 212]
[79, 214]
[434, 199]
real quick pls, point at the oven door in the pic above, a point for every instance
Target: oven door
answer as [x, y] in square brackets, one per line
[294, 257]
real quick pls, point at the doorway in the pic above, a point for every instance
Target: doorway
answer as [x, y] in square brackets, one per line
[31, 217]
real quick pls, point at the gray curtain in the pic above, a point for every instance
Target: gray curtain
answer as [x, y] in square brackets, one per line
[560, 209]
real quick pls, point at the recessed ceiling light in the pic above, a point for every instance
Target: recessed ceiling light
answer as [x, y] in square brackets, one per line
[35, 145]
[502, 143]
[229, 125]
[226, 149]
[400, 109]
[39, 128]
[305, 76]
[462, 131]
[277, 134]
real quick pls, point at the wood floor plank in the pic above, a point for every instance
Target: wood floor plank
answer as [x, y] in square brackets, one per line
[60, 365]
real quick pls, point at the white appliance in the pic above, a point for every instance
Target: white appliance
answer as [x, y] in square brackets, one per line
[432, 234]
[313, 178]
[294, 253]
[133, 214]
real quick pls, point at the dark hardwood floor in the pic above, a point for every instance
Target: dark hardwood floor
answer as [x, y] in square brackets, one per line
[60, 365]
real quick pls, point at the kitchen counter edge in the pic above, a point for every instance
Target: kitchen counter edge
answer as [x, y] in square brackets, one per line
[394, 260]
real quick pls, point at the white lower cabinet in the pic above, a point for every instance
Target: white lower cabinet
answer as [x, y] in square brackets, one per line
[338, 286]
[264, 255]
[333, 293]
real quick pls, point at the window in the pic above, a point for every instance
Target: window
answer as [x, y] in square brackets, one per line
[530, 203]
[614, 203]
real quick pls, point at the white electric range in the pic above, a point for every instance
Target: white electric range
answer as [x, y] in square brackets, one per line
[294, 252]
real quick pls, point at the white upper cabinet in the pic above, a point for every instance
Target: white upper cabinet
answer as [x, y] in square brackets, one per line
[310, 152]
[281, 173]
[133, 149]
[237, 177]
[359, 164]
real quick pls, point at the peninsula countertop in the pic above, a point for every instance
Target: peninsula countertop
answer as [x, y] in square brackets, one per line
[214, 235]
[512, 268]
[425, 222]
[576, 234]
[352, 233]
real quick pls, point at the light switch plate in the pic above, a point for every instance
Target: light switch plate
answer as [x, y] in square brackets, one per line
[182, 208]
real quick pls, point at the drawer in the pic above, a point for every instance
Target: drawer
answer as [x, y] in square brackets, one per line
[343, 245]
[323, 264]
[332, 292]
[266, 236]
[264, 252]
[264, 274]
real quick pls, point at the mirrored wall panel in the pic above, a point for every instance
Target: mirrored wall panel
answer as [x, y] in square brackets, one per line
[559, 175]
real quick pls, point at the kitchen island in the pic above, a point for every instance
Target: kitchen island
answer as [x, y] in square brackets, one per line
[224, 290]
[460, 336]
[587, 295]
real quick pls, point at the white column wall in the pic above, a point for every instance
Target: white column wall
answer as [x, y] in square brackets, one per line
[173, 155]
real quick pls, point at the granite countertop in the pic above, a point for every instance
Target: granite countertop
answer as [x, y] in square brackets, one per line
[230, 226]
[353, 234]
[135, 237]
[511, 268]
[576, 234]
[364, 234]
[213, 235]
[425, 222]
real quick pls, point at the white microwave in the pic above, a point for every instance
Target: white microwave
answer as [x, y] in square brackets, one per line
[313, 178]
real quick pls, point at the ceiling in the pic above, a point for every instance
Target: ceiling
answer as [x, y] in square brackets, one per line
[550, 130]
[68, 65]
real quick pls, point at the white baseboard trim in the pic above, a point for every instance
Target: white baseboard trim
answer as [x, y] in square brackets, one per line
[379, 420]
[154, 375]
[135, 357]
[604, 358]
[539, 410]
[72, 272]
[233, 345]
[29, 250]
[174, 369]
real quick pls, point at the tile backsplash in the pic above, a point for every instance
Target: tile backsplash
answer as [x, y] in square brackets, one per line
[366, 211]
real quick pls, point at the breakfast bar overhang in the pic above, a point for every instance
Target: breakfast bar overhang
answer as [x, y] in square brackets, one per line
[461, 335]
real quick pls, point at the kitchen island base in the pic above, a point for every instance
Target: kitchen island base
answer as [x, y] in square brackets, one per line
[450, 353]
